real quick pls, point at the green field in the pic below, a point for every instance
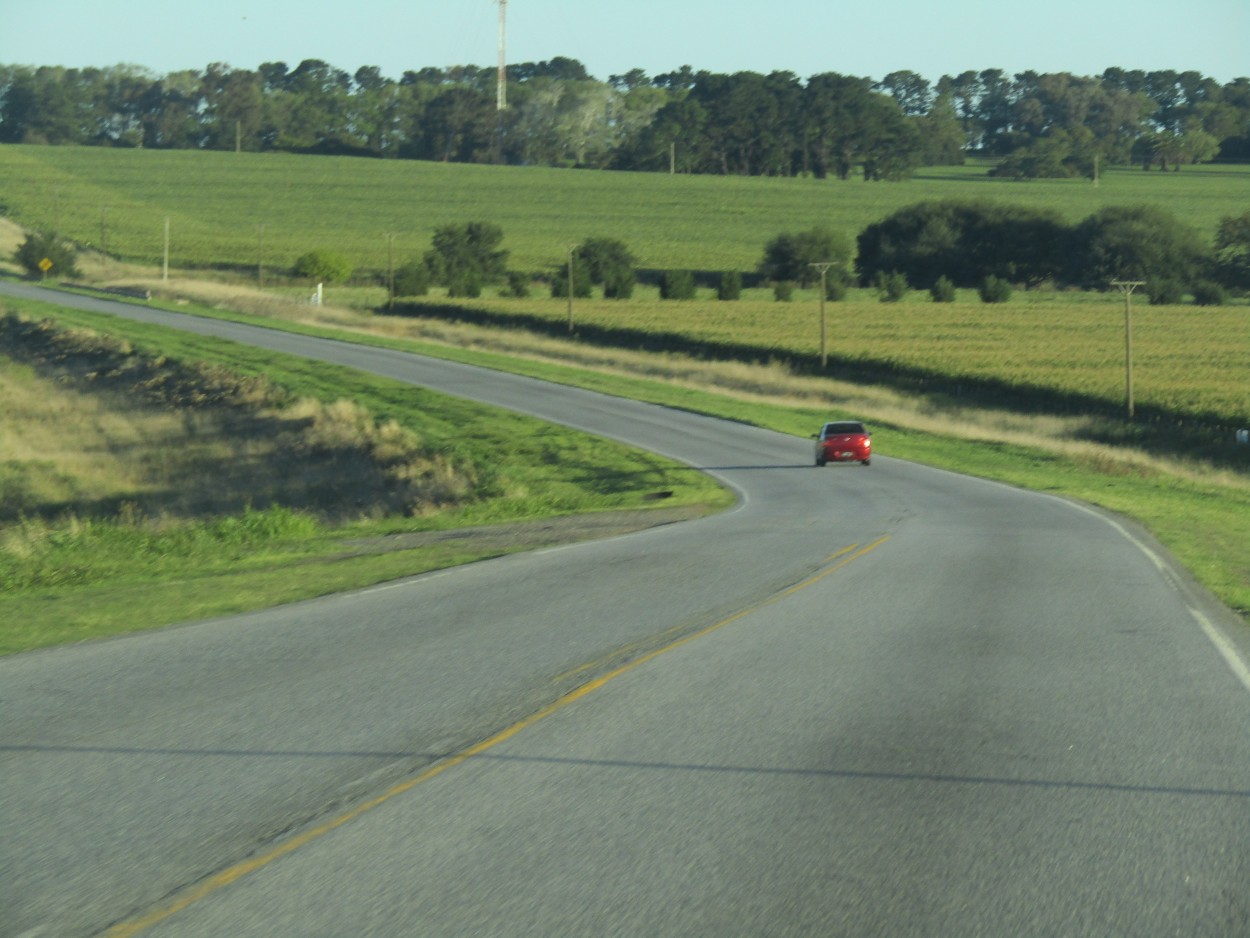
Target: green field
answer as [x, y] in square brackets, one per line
[248, 209]
[1065, 352]
[240, 209]
[119, 513]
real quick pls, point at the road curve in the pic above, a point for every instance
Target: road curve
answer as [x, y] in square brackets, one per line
[910, 702]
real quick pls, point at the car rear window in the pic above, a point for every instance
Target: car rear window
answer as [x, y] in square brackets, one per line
[835, 429]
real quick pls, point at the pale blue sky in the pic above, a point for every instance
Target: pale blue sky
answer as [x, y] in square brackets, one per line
[859, 37]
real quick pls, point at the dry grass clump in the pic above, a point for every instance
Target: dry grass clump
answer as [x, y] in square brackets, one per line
[89, 426]
[11, 237]
[430, 481]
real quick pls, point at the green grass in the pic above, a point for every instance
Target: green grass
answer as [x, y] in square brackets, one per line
[38, 618]
[246, 209]
[80, 577]
[527, 467]
[1205, 523]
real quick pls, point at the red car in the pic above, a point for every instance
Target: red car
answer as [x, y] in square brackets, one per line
[843, 441]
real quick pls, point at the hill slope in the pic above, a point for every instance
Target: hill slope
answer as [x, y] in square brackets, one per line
[244, 209]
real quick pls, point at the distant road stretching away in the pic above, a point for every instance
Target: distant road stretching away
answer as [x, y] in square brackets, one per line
[867, 701]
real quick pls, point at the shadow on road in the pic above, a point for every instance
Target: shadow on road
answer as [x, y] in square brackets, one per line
[426, 758]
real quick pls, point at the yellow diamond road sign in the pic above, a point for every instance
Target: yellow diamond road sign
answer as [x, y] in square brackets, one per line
[45, 265]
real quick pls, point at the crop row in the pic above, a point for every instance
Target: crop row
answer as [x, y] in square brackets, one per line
[1189, 362]
[250, 210]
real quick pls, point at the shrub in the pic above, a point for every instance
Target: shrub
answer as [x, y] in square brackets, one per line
[729, 287]
[677, 285]
[783, 291]
[1164, 292]
[32, 252]
[607, 259]
[942, 291]
[518, 285]
[323, 267]
[836, 287]
[560, 281]
[1134, 243]
[994, 290]
[891, 287]
[790, 255]
[464, 282]
[1232, 250]
[470, 248]
[618, 283]
[1209, 293]
[1057, 155]
[965, 242]
[412, 279]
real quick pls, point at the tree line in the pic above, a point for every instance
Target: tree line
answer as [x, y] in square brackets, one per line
[936, 245]
[557, 114]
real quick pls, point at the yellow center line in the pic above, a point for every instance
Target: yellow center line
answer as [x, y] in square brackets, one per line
[235, 872]
[830, 569]
[626, 649]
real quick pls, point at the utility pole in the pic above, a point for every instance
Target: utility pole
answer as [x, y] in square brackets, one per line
[260, 257]
[501, 84]
[390, 270]
[165, 262]
[1127, 287]
[571, 252]
[823, 267]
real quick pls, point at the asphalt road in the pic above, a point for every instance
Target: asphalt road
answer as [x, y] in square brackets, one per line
[868, 701]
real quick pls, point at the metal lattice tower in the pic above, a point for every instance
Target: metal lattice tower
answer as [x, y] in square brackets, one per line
[501, 85]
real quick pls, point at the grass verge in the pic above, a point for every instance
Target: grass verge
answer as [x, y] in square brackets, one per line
[42, 617]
